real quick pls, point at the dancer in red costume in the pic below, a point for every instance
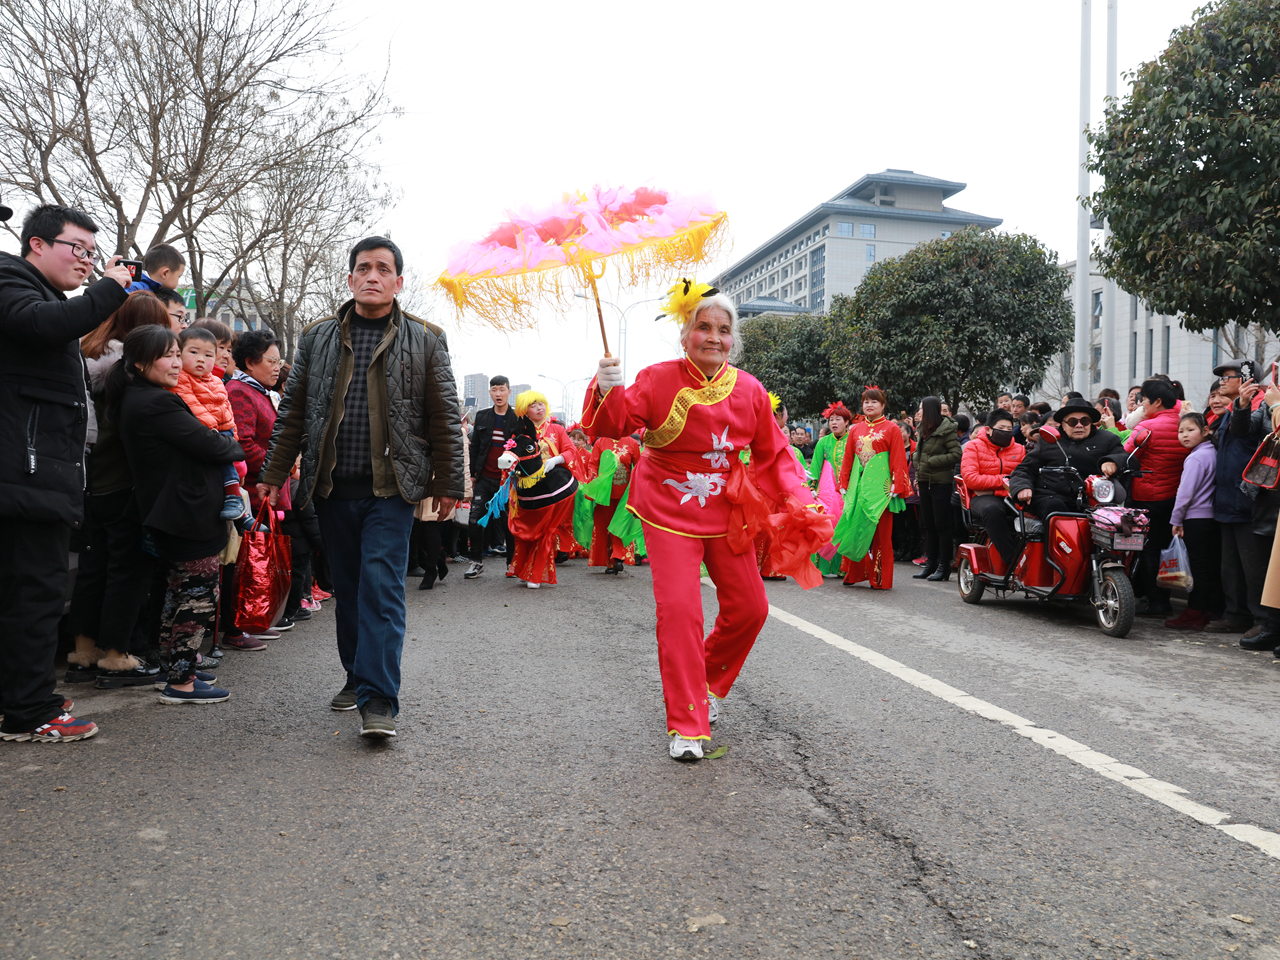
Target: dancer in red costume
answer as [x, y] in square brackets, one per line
[542, 532]
[691, 490]
[607, 549]
[876, 461]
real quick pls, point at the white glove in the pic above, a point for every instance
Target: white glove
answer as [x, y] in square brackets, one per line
[609, 374]
[549, 465]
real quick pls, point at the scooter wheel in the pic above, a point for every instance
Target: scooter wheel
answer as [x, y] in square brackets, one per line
[1116, 606]
[971, 587]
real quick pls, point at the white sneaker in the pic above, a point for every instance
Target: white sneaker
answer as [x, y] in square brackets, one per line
[682, 749]
[713, 708]
[531, 585]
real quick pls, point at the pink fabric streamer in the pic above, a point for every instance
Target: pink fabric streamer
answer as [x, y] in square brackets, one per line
[604, 221]
[830, 498]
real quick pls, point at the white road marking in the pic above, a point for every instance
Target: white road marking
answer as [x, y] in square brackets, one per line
[1166, 793]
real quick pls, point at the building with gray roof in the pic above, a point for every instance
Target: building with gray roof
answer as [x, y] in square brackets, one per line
[828, 250]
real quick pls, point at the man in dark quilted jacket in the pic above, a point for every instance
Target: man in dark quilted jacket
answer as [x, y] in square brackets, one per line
[372, 407]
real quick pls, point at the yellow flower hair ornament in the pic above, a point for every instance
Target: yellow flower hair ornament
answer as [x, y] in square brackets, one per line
[775, 401]
[683, 298]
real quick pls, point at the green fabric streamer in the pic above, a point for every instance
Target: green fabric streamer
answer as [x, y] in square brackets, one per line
[866, 500]
[626, 526]
[601, 488]
[583, 517]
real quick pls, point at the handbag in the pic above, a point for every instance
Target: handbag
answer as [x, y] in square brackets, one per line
[1264, 468]
[264, 571]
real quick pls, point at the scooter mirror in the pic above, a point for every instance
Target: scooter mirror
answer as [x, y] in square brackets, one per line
[1049, 434]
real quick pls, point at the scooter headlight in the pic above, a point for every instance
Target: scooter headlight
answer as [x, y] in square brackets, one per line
[1104, 491]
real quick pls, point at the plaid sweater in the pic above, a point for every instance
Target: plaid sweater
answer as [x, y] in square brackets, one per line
[354, 438]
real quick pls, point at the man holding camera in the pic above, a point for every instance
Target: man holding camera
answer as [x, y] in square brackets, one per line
[44, 419]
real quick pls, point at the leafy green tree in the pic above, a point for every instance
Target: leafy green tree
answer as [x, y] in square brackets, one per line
[961, 318]
[787, 355]
[1192, 166]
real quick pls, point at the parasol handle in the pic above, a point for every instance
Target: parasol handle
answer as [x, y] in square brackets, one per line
[591, 279]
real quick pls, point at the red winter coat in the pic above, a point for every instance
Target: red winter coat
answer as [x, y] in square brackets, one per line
[1161, 457]
[983, 466]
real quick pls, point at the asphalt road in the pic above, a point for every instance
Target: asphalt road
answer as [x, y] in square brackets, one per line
[906, 776]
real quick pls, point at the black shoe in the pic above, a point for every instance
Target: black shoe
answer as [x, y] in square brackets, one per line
[442, 570]
[426, 584]
[1268, 639]
[79, 674]
[302, 613]
[140, 675]
[942, 576]
[561, 557]
[376, 719]
[286, 623]
[1160, 611]
[926, 572]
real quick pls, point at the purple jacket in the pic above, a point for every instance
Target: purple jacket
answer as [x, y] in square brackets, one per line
[1195, 489]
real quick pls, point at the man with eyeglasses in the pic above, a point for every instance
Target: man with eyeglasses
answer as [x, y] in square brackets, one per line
[44, 421]
[1082, 445]
[1244, 553]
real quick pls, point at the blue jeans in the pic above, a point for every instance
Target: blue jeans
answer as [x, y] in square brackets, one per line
[367, 543]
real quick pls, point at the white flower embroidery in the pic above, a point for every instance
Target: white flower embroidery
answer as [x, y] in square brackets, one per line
[700, 485]
[721, 448]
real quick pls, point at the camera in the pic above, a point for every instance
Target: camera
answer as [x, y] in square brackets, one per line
[135, 269]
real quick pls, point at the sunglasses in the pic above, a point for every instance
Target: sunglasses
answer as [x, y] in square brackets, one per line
[1076, 421]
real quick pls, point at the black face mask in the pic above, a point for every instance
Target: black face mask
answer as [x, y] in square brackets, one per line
[1001, 438]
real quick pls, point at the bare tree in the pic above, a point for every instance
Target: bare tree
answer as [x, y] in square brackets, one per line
[171, 119]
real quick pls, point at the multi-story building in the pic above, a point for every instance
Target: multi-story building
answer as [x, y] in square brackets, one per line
[475, 391]
[1147, 342]
[830, 248]
[519, 388]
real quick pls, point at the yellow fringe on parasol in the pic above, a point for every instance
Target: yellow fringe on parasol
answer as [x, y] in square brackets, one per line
[509, 301]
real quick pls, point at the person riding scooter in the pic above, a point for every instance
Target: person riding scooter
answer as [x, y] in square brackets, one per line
[1082, 446]
[988, 458]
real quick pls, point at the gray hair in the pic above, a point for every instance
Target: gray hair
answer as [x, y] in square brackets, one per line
[725, 304]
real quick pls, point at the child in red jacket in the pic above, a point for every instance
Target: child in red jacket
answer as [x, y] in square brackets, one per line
[206, 396]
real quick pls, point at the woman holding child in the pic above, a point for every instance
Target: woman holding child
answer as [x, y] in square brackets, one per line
[177, 464]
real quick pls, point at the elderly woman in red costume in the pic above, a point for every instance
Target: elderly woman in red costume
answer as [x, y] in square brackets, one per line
[698, 505]
[874, 479]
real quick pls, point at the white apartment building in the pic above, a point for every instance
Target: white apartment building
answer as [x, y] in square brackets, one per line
[1147, 342]
[830, 248]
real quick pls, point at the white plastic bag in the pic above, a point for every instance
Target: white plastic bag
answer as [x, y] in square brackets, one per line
[1175, 566]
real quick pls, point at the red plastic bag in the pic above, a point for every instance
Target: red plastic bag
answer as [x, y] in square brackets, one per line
[263, 571]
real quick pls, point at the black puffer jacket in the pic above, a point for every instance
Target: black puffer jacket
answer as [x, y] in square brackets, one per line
[416, 426]
[1085, 455]
[44, 412]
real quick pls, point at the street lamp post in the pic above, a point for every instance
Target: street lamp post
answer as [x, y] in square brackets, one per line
[564, 390]
[622, 327]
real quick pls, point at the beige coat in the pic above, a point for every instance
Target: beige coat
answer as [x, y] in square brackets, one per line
[427, 509]
[1271, 586]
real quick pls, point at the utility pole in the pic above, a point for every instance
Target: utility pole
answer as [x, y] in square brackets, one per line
[1110, 346]
[1084, 325]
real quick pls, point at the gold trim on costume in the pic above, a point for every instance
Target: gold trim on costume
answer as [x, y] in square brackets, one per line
[686, 400]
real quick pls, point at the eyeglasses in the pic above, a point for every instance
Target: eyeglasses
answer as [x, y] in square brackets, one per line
[1075, 421]
[78, 250]
[277, 362]
[1230, 376]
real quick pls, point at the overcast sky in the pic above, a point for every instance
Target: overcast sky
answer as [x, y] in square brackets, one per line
[768, 108]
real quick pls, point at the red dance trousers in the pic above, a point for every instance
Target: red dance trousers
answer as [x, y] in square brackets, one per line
[877, 566]
[605, 547]
[689, 664]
